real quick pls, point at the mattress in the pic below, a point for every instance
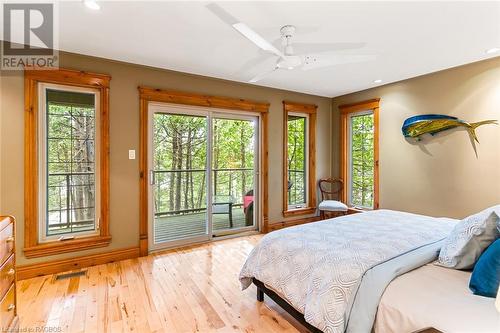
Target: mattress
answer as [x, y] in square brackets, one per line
[434, 296]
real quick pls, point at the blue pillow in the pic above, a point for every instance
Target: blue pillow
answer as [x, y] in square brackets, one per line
[486, 274]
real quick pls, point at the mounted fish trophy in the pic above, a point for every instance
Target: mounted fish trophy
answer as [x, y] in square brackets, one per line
[415, 127]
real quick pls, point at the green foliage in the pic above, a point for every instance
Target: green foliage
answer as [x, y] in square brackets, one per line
[296, 128]
[362, 161]
[70, 156]
[180, 160]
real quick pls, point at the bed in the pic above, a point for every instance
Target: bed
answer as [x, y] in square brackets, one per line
[331, 275]
[434, 296]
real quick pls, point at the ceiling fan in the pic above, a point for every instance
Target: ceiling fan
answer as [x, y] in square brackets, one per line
[287, 59]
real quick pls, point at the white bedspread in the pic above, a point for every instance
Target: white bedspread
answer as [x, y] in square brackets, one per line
[433, 296]
[318, 267]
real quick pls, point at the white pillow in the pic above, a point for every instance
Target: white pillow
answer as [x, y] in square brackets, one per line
[470, 238]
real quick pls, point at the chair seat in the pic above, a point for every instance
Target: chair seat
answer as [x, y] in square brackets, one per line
[221, 207]
[332, 206]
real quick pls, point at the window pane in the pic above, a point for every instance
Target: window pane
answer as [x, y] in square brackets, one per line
[362, 162]
[180, 163]
[297, 160]
[70, 158]
[233, 173]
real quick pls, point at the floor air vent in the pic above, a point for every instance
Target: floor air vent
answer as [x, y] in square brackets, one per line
[70, 275]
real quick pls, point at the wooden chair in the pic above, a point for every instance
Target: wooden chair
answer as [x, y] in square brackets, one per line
[331, 189]
[223, 204]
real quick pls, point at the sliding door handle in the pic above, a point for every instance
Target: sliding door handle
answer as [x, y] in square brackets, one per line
[152, 178]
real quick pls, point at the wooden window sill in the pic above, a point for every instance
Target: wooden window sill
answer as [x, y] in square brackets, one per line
[57, 247]
[299, 211]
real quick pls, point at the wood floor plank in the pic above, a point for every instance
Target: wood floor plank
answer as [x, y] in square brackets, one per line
[191, 289]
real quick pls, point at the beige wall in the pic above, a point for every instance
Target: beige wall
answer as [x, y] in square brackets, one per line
[124, 132]
[442, 175]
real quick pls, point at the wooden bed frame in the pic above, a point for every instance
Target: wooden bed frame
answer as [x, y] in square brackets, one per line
[261, 290]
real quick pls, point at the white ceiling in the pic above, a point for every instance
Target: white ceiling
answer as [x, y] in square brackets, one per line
[409, 38]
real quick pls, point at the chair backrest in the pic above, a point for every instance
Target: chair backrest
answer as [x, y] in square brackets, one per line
[223, 199]
[331, 188]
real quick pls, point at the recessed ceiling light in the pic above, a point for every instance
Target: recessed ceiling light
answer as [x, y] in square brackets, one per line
[377, 81]
[493, 50]
[92, 4]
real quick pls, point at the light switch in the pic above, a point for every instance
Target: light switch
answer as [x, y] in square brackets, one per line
[131, 154]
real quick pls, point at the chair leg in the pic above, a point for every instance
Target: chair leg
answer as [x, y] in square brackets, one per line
[231, 216]
[322, 214]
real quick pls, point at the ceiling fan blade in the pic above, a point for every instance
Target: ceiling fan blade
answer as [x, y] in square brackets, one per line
[262, 75]
[326, 59]
[221, 13]
[257, 39]
[243, 29]
[325, 47]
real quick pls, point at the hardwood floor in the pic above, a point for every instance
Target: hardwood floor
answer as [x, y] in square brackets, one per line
[194, 289]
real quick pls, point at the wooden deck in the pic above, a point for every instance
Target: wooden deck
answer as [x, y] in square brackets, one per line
[174, 227]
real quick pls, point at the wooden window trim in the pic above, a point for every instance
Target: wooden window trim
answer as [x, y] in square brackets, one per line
[311, 111]
[147, 95]
[32, 247]
[345, 110]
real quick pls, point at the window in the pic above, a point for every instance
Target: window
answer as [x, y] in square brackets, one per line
[296, 161]
[360, 154]
[67, 140]
[361, 165]
[299, 195]
[66, 162]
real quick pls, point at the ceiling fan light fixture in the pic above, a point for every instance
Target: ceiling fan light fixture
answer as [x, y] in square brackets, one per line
[289, 62]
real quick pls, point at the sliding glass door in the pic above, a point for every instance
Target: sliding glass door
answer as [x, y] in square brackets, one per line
[234, 160]
[203, 174]
[178, 177]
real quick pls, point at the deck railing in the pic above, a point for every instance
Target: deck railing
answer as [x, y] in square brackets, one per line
[190, 185]
[296, 187]
[66, 211]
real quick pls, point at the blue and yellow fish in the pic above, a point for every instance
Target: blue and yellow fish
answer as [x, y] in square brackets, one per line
[416, 126]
